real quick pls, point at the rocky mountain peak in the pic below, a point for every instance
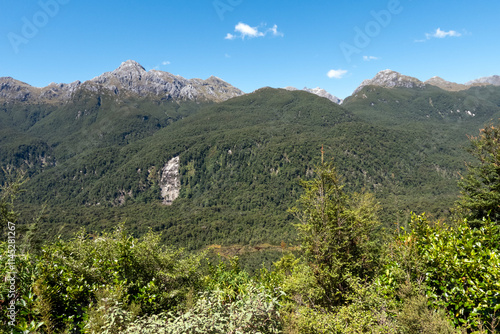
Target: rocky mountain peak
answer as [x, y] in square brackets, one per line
[454, 87]
[11, 88]
[446, 85]
[391, 79]
[492, 80]
[15, 90]
[318, 91]
[437, 79]
[323, 93]
[131, 65]
[132, 78]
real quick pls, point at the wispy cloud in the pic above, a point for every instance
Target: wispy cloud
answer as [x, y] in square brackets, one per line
[370, 58]
[336, 74]
[439, 34]
[163, 63]
[244, 30]
[442, 34]
[275, 31]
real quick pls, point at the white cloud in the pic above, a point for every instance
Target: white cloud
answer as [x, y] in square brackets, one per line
[244, 30]
[439, 34]
[442, 34]
[165, 62]
[369, 58]
[275, 31]
[336, 74]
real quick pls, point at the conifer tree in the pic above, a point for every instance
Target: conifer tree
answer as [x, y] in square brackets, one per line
[337, 232]
[480, 188]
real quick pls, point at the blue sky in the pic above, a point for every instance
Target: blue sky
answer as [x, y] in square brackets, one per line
[251, 43]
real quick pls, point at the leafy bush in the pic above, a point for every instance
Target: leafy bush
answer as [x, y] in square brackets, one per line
[255, 311]
[140, 275]
[462, 268]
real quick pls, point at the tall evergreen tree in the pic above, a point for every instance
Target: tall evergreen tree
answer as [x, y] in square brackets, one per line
[480, 188]
[337, 232]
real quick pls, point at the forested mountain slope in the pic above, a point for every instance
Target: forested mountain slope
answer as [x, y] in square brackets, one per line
[241, 160]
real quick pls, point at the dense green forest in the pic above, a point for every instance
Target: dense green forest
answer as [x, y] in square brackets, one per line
[240, 160]
[348, 274]
[295, 214]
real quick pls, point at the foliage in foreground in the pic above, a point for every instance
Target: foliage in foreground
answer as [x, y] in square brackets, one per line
[338, 234]
[72, 284]
[255, 311]
[462, 268]
[432, 278]
[480, 188]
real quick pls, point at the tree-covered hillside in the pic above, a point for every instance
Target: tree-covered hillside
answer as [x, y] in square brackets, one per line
[346, 276]
[99, 159]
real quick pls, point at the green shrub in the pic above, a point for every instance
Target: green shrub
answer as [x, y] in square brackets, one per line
[148, 276]
[254, 311]
[462, 268]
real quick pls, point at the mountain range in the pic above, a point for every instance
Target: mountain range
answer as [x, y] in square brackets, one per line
[391, 79]
[132, 78]
[129, 78]
[208, 164]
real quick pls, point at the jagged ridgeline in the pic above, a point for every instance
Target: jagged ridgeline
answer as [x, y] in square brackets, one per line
[205, 164]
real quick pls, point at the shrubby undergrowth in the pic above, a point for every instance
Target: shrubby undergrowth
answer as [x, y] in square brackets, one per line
[349, 276]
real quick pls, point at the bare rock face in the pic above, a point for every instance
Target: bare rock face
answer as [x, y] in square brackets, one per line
[318, 91]
[323, 93]
[493, 80]
[455, 87]
[391, 79]
[170, 181]
[128, 79]
[446, 85]
[15, 90]
[131, 77]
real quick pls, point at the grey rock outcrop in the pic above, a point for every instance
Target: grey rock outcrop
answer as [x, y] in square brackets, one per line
[391, 79]
[170, 181]
[132, 78]
[454, 87]
[446, 85]
[15, 90]
[323, 93]
[128, 79]
[492, 80]
[318, 91]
